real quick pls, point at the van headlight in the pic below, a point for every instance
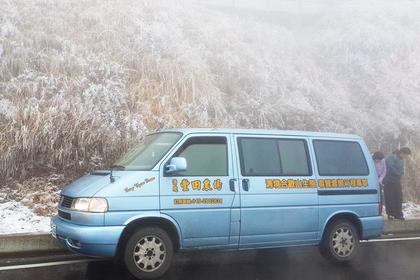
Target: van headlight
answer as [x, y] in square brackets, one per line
[94, 204]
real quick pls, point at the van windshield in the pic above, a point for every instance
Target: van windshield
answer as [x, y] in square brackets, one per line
[148, 152]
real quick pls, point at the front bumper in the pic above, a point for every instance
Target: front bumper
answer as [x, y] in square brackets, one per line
[95, 241]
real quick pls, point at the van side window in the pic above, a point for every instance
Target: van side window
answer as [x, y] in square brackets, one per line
[274, 157]
[206, 156]
[294, 157]
[343, 158]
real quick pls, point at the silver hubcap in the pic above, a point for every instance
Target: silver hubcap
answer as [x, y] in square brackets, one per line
[343, 242]
[149, 253]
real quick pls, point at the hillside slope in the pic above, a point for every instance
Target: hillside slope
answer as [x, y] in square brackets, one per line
[81, 81]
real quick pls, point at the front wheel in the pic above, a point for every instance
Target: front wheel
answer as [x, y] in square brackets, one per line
[340, 242]
[148, 253]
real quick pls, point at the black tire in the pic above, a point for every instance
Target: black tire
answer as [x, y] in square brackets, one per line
[148, 253]
[340, 242]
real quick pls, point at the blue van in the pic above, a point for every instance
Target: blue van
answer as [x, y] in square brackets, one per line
[230, 189]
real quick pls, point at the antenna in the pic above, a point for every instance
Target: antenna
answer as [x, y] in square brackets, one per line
[111, 178]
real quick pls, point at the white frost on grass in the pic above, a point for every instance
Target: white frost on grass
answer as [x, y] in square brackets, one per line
[411, 210]
[17, 218]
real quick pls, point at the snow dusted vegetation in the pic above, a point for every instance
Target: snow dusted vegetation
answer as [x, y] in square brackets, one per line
[82, 81]
[18, 218]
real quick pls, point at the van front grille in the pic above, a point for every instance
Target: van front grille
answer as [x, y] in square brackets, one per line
[64, 215]
[66, 201]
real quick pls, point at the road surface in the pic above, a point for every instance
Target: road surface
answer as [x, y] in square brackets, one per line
[379, 259]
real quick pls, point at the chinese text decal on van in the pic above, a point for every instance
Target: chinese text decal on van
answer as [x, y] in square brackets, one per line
[192, 189]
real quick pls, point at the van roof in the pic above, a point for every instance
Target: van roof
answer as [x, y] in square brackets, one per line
[262, 132]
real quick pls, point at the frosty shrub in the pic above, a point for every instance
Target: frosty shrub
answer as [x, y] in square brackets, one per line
[83, 81]
[411, 184]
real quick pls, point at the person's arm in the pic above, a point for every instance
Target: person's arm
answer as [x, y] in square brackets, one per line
[382, 172]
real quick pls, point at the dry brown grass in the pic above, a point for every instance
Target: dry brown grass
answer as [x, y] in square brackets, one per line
[82, 81]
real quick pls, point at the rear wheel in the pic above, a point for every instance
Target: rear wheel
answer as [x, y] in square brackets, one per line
[340, 242]
[148, 253]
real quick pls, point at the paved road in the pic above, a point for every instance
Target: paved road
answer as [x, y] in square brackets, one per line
[397, 259]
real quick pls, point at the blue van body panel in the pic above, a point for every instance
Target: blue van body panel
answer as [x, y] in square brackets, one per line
[86, 219]
[133, 195]
[366, 212]
[210, 236]
[99, 241]
[127, 217]
[86, 186]
[236, 210]
[127, 183]
[270, 225]
[372, 227]
[130, 184]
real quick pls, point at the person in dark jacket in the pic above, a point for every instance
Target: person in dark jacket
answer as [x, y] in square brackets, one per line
[392, 181]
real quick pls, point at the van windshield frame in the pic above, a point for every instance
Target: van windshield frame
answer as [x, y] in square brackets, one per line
[145, 155]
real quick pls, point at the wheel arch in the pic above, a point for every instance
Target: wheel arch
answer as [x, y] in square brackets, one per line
[160, 222]
[351, 217]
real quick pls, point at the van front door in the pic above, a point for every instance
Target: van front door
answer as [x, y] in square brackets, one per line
[201, 198]
[278, 195]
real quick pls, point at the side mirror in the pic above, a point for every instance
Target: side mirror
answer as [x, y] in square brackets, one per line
[177, 164]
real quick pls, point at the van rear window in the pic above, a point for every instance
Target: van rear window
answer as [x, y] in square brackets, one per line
[343, 158]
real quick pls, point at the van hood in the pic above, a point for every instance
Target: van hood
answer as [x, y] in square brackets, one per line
[88, 185]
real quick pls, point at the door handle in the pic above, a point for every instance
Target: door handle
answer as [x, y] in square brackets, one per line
[232, 184]
[245, 184]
